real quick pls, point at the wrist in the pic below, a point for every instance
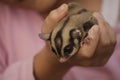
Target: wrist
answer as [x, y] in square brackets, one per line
[46, 65]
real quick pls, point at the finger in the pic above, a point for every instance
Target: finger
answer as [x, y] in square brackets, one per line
[54, 17]
[88, 50]
[101, 22]
[111, 35]
[107, 34]
[99, 18]
[103, 25]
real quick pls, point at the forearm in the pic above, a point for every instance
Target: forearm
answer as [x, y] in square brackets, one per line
[23, 4]
[36, 5]
[47, 67]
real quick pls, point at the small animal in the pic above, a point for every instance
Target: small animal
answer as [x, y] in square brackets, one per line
[68, 34]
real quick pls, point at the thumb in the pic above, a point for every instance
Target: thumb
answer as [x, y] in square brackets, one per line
[53, 18]
[87, 50]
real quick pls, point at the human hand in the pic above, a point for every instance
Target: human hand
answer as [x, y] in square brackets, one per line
[94, 53]
[98, 49]
[45, 61]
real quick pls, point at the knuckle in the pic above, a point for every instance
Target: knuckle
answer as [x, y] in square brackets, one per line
[114, 42]
[106, 43]
[104, 23]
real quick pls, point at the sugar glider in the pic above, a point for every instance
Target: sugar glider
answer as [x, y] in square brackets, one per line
[67, 35]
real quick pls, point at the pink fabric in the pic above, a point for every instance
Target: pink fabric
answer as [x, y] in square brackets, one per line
[19, 42]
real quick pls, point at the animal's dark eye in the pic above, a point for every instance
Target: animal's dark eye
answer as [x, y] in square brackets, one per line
[68, 49]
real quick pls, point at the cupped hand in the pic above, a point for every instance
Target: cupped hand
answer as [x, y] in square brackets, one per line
[100, 46]
[95, 52]
[54, 17]
[98, 50]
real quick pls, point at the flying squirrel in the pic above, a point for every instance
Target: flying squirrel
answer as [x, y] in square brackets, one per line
[67, 36]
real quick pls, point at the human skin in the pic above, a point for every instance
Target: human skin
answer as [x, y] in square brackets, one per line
[46, 62]
[103, 38]
[45, 6]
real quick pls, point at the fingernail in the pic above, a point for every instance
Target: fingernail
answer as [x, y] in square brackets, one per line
[62, 8]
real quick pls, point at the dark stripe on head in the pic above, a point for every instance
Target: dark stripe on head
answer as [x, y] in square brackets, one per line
[58, 38]
[82, 11]
[72, 44]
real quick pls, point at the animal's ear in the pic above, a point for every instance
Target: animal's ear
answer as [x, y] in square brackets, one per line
[75, 33]
[73, 5]
[73, 8]
[44, 36]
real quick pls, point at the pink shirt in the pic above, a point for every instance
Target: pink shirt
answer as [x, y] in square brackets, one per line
[19, 42]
